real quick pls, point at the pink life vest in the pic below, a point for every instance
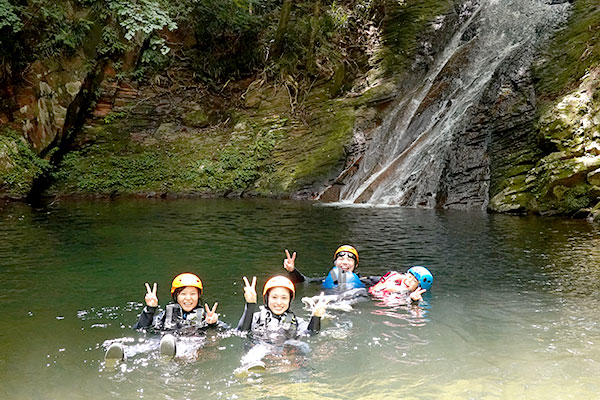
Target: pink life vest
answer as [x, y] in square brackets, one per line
[388, 284]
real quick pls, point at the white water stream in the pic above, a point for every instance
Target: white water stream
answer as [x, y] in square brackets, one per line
[405, 161]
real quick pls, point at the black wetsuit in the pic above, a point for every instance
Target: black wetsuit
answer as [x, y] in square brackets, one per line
[173, 318]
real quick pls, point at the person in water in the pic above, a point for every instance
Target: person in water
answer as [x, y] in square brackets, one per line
[416, 281]
[184, 316]
[342, 276]
[274, 323]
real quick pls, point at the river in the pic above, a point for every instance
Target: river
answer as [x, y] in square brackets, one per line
[513, 312]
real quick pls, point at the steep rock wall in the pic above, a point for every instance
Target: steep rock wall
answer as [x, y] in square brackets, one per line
[564, 180]
[549, 165]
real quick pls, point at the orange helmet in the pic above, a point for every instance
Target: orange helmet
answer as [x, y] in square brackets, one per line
[347, 248]
[279, 281]
[186, 279]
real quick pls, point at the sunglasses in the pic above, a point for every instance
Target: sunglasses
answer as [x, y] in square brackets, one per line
[345, 254]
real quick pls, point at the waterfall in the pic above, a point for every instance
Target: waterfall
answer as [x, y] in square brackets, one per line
[410, 155]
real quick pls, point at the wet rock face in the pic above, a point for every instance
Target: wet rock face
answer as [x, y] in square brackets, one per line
[473, 134]
[496, 140]
[565, 178]
[41, 106]
[40, 113]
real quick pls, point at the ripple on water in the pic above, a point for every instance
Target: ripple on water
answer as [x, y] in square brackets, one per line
[512, 313]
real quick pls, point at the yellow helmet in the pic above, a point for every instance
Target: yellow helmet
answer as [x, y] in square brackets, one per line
[186, 279]
[279, 281]
[347, 248]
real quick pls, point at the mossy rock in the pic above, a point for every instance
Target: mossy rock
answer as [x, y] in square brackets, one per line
[574, 198]
[516, 197]
[253, 98]
[593, 177]
[197, 119]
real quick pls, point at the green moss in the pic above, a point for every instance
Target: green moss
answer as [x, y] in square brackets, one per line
[19, 165]
[404, 24]
[516, 197]
[574, 49]
[329, 153]
[561, 186]
[568, 199]
[554, 130]
[218, 162]
[237, 166]
[518, 170]
[311, 149]
[197, 118]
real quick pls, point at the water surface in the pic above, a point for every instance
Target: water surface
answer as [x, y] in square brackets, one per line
[512, 314]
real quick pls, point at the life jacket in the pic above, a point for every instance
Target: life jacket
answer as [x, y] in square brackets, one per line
[264, 322]
[175, 318]
[338, 278]
[388, 284]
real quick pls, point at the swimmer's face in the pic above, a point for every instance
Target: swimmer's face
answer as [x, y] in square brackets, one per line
[279, 300]
[410, 282]
[188, 298]
[345, 261]
[401, 283]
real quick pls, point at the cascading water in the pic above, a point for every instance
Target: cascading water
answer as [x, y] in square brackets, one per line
[410, 156]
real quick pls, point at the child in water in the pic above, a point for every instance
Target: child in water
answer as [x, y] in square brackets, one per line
[184, 316]
[416, 281]
[274, 323]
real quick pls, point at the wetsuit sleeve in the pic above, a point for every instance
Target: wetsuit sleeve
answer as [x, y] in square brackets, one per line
[220, 326]
[146, 318]
[370, 280]
[297, 277]
[314, 325]
[246, 321]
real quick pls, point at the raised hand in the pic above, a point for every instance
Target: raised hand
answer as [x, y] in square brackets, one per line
[211, 317]
[289, 262]
[321, 305]
[417, 294]
[150, 298]
[250, 290]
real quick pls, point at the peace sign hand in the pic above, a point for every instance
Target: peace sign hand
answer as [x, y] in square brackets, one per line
[151, 299]
[321, 305]
[289, 262]
[211, 317]
[250, 290]
[416, 295]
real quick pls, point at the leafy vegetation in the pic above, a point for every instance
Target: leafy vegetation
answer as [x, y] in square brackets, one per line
[114, 164]
[39, 29]
[19, 165]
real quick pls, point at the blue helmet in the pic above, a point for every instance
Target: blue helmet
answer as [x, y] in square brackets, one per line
[423, 276]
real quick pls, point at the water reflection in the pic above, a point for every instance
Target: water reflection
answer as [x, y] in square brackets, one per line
[512, 312]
